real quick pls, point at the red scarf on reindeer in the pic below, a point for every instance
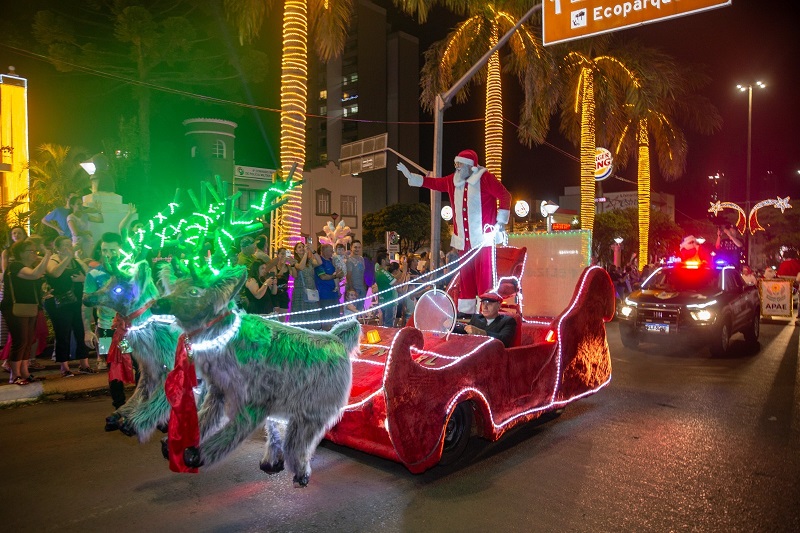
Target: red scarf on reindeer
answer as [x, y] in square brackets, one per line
[184, 431]
[120, 366]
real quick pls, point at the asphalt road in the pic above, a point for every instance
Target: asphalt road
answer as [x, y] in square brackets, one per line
[678, 442]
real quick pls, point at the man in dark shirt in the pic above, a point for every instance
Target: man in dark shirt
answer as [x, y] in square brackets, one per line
[490, 322]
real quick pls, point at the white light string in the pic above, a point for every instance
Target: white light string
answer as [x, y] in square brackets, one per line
[462, 261]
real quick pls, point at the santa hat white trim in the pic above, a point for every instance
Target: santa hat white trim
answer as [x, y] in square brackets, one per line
[465, 160]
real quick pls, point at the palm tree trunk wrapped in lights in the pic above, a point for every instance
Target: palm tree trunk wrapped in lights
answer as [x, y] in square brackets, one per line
[588, 147]
[493, 127]
[294, 96]
[643, 180]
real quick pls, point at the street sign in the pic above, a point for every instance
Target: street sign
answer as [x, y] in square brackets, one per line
[364, 155]
[240, 171]
[565, 20]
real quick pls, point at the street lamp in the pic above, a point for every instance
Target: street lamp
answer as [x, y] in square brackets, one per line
[521, 209]
[617, 247]
[749, 89]
[549, 208]
[447, 213]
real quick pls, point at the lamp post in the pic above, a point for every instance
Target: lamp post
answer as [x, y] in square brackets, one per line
[617, 247]
[522, 210]
[548, 209]
[749, 89]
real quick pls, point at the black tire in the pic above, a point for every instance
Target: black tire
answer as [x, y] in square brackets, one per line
[754, 329]
[722, 337]
[457, 434]
[629, 337]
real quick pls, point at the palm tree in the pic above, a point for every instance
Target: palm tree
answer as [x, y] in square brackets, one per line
[55, 173]
[595, 83]
[666, 94]
[328, 20]
[448, 60]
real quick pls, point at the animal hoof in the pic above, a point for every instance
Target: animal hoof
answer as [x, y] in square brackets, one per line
[163, 427]
[301, 480]
[126, 428]
[113, 422]
[272, 468]
[191, 457]
[165, 447]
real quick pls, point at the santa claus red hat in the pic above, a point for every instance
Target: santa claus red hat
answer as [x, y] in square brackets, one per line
[468, 157]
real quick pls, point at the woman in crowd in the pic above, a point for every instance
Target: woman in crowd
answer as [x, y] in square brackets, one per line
[261, 288]
[304, 295]
[356, 267]
[15, 234]
[65, 275]
[22, 280]
[282, 269]
[78, 222]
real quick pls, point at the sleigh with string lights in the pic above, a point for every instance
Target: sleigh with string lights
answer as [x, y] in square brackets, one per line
[418, 395]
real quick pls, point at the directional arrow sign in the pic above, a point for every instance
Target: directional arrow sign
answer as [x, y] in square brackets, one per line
[565, 20]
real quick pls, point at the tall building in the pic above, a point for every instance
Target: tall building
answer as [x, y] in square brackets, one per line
[14, 152]
[372, 88]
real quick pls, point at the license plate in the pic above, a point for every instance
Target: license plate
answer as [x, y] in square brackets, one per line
[657, 328]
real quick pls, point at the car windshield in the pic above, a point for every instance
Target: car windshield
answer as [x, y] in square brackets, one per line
[684, 279]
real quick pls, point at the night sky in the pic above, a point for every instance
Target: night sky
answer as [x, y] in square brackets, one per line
[748, 41]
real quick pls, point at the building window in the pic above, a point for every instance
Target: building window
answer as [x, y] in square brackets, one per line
[323, 94]
[349, 205]
[323, 202]
[219, 150]
[323, 157]
[323, 110]
[353, 109]
[344, 81]
[354, 77]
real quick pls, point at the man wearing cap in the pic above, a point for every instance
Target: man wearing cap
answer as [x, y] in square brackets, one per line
[478, 199]
[490, 322]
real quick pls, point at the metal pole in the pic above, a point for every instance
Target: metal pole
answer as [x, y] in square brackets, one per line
[749, 157]
[443, 101]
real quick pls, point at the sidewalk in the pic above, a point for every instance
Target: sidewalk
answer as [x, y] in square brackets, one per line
[50, 383]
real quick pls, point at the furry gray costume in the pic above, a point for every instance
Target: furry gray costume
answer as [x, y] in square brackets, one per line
[153, 343]
[257, 368]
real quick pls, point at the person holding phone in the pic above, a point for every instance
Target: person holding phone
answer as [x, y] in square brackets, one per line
[304, 295]
[261, 288]
[282, 270]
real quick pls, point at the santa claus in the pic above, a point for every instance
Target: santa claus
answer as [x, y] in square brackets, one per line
[478, 199]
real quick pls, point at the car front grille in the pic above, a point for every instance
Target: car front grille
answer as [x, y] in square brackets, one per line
[659, 315]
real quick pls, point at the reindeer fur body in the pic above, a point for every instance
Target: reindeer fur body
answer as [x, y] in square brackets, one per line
[153, 343]
[266, 369]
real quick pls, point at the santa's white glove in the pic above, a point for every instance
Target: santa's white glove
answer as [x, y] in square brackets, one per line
[415, 180]
[404, 169]
[500, 227]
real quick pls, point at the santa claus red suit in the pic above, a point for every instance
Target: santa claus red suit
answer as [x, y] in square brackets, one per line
[478, 199]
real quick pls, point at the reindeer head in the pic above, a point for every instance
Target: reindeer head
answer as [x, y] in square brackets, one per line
[125, 291]
[197, 299]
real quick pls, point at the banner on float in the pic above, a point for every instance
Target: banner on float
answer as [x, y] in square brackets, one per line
[776, 297]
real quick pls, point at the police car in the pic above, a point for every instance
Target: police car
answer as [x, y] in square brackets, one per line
[693, 300]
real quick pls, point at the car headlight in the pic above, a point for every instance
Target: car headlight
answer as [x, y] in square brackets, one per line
[626, 310]
[702, 315]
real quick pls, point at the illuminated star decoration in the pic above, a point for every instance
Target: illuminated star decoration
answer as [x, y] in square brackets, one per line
[779, 203]
[741, 221]
[750, 221]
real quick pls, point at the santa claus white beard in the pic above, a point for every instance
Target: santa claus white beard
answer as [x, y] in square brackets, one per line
[463, 173]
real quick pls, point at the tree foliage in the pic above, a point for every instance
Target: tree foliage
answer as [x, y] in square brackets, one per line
[170, 45]
[665, 235]
[55, 174]
[411, 222]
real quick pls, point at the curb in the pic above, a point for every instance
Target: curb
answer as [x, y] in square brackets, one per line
[84, 384]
